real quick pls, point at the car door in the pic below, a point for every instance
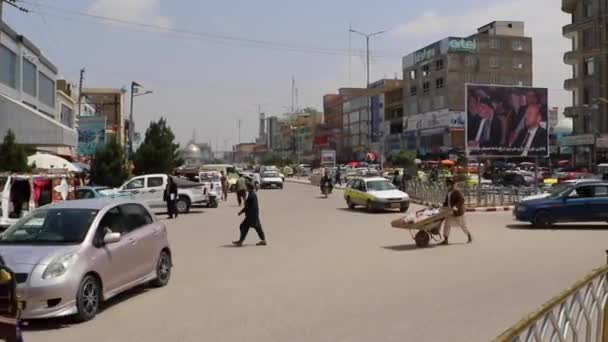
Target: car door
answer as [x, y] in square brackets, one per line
[154, 190]
[578, 205]
[135, 188]
[114, 262]
[354, 191]
[142, 234]
[599, 203]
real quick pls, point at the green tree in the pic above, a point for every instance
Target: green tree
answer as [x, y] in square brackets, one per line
[13, 156]
[158, 153]
[108, 166]
[405, 159]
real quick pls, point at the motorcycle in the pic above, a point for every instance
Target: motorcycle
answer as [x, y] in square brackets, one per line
[326, 188]
[9, 307]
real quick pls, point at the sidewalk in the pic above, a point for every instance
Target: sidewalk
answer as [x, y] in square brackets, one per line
[307, 182]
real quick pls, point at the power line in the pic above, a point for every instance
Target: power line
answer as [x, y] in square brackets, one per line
[14, 4]
[184, 33]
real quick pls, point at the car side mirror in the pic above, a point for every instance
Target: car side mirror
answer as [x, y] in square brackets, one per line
[111, 238]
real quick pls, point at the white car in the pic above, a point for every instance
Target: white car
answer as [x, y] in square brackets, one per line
[150, 190]
[271, 179]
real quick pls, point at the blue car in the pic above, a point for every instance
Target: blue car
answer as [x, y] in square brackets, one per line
[582, 202]
[86, 192]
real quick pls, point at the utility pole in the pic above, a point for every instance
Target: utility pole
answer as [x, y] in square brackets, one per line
[293, 87]
[80, 82]
[239, 125]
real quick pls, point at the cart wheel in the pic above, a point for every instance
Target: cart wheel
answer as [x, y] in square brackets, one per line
[422, 238]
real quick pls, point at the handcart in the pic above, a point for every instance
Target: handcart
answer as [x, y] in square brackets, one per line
[9, 306]
[423, 229]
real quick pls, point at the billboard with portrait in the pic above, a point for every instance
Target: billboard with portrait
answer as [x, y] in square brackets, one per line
[91, 134]
[506, 121]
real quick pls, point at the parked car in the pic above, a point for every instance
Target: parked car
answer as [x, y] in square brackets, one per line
[513, 179]
[212, 180]
[231, 172]
[150, 189]
[288, 171]
[88, 192]
[69, 257]
[375, 193]
[271, 179]
[581, 202]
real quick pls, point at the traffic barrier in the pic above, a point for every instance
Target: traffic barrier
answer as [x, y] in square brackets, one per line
[579, 313]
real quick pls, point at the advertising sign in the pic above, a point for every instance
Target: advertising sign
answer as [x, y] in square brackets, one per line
[91, 134]
[506, 121]
[462, 44]
[328, 157]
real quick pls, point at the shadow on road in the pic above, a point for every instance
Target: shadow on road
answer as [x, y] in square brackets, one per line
[66, 322]
[405, 248]
[375, 212]
[559, 227]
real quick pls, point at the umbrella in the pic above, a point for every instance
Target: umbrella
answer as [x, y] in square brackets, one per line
[526, 164]
[417, 161]
[448, 162]
[49, 161]
[82, 166]
[353, 164]
[563, 162]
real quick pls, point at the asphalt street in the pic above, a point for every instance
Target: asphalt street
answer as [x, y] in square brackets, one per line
[331, 274]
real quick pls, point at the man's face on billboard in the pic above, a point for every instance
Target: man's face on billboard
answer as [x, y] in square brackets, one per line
[533, 117]
[531, 98]
[473, 105]
[485, 111]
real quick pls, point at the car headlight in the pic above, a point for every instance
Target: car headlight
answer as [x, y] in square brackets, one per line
[521, 208]
[58, 266]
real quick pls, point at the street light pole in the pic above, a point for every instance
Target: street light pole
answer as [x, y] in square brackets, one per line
[134, 86]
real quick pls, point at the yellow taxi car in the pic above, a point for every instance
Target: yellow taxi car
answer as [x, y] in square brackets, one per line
[375, 193]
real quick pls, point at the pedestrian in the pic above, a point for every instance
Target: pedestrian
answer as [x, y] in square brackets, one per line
[170, 196]
[455, 201]
[224, 181]
[252, 218]
[338, 176]
[241, 189]
[397, 179]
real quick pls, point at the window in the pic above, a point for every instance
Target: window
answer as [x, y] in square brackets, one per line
[517, 45]
[426, 87]
[29, 78]
[8, 67]
[439, 64]
[589, 66]
[588, 9]
[413, 90]
[67, 116]
[112, 222]
[586, 96]
[494, 79]
[469, 61]
[588, 38]
[494, 62]
[154, 182]
[517, 64]
[135, 216]
[439, 102]
[439, 83]
[469, 78]
[601, 191]
[425, 70]
[135, 184]
[494, 44]
[46, 90]
[413, 74]
[84, 193]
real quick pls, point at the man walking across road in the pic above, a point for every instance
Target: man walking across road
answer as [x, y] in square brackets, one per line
[455, 201]
[170, 197]
[252, 218]
[241, 189]
[224, 181]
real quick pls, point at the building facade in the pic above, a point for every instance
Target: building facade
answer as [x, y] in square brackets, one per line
[435, 77]
[109, 104]
[28, 94]
[588, 58]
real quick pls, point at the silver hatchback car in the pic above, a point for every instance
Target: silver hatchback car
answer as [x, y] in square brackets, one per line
[69, 257]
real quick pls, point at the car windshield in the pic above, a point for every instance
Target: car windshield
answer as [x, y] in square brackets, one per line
[50, 227]
[270, 174]
[108, 192]
[380, 185]
[560, 190]
[209, 177]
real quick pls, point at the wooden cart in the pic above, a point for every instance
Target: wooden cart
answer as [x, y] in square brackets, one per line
[424, 230]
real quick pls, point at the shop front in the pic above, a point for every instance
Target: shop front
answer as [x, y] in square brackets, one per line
[583, 149]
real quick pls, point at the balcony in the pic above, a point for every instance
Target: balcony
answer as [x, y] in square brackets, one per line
[569, 6]
[571, 112]
[571, 57]
[572, 84]
[570, 30]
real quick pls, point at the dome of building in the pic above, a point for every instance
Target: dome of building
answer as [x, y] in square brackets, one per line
[192, 154]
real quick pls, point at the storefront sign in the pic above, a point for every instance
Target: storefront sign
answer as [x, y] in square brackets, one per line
[462, 45]
[602, 141]
[440, 119]
[577, 140]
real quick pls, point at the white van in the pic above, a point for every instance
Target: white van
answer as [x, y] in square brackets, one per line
[230, 171]
[22, 193]
[151, 188]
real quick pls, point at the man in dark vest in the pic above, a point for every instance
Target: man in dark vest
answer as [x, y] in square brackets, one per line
[455, 201]
[252, 218]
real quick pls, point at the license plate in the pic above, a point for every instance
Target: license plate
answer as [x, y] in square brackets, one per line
[395, 205]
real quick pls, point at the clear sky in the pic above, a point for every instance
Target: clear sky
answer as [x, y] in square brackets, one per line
[206, 84]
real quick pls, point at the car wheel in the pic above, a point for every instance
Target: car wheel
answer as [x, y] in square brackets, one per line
[404, 208]
[543, 219]
[213, 203]
[87, 299]
[183, 205]
[369, 206]
[350, 204]
[163, 270]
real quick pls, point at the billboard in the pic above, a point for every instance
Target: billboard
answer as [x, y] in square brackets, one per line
[328, 157]
[506, 121]
[91, 134]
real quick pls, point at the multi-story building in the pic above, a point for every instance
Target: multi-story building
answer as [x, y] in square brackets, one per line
[588, 84]
[435, 77]
[109, 104]
[274, 133]
[393, 122]
[29, 103]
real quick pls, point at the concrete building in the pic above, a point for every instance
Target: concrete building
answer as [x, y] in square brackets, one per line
[29, 103]
[274, 133]
[588, 58]
[109, 104]
[435, 77]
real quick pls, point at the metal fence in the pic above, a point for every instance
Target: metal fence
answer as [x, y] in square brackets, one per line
[487, 196]
[577, 314]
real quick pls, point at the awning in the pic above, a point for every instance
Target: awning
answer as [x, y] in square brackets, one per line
[31, 127]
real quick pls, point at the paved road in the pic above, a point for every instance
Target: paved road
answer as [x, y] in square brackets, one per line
[330, 274]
